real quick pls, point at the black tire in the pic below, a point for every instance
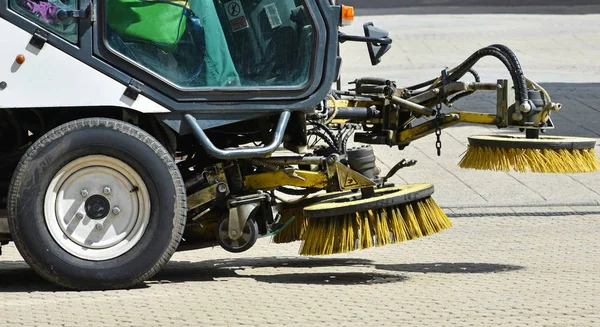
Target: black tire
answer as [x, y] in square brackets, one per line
[114, 139]
[249, 236]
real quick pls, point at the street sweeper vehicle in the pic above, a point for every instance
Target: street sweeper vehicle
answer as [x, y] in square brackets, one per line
[132, 129]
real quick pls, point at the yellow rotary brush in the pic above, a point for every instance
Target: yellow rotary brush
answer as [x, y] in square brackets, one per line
[295, 210]
[390, 215]
[296, 228]
[546, 154]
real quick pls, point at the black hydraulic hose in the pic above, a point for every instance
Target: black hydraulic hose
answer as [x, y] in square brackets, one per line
[324, 128]
[475, 75]
[431, 81]
[296, 192]
[520, 92]
[421, 85]
[466, 93]
[324, 137]
[345, 140]
[512, 57]
[460, 96]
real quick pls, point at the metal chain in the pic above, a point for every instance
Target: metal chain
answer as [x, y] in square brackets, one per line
[438, 130]
[439, 117]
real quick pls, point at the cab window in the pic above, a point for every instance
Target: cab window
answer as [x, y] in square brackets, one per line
[46, 14]
[214, 43]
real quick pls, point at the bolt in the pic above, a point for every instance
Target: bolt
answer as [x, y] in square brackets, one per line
[84, 193]
[79, 215]
[222, 188]
[116, 210]
[106, 190]
[99, 227]
[234, 232]
[3, 85]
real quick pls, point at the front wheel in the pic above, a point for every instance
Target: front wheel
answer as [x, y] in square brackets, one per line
[97, 204]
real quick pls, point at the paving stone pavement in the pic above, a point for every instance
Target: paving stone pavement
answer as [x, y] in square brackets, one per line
[504, 262]
[493, 267]
[558, 50]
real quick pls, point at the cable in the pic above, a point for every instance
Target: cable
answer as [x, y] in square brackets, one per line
[301, 192]
[335, 110]
[324, 128]
[518, 80]
[324, 137]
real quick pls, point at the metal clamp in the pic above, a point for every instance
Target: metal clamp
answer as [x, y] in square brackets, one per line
[212, 150]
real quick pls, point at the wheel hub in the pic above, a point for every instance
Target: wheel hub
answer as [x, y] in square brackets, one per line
[96, 224]
[97, 207]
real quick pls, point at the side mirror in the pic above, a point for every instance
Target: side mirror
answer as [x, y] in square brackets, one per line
[377, 49]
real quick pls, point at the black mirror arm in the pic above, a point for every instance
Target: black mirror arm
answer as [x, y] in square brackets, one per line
[366, 39]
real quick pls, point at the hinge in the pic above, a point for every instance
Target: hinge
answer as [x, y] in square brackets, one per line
[80, 13]
[39, 38]
[133, 89]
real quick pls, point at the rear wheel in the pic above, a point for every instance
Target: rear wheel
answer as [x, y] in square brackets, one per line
[97, 204]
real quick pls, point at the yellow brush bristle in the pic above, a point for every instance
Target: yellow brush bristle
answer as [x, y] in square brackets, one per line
[531, 160]
[294, 231]
[362, 230]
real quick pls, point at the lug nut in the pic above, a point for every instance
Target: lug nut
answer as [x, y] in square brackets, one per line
[99, 227]
[116, 210]
[84, 193]
[79, 215]
[107, 190]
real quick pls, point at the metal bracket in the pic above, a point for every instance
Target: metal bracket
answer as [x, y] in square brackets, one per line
[402, 164]
[342, 178]
[240, 210]
[39, 38]
[133, 89]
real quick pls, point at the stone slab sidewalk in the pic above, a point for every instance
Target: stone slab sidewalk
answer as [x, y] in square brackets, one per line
[558, 51]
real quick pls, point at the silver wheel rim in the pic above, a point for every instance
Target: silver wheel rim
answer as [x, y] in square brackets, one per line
[88, 229]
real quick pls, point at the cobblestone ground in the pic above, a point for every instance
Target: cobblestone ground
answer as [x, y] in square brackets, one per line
[494, 267]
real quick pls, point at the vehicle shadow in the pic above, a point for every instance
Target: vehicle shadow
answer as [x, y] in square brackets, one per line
[16, 276]
[451, 268]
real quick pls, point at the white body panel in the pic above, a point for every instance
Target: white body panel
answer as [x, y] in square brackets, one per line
[51, 78]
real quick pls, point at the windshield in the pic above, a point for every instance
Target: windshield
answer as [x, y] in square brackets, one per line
[213, 43]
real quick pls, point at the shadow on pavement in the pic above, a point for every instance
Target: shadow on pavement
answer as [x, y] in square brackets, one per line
[210, 270]
[16, 276]
[344, 278]
[579, 116]
[451, 268]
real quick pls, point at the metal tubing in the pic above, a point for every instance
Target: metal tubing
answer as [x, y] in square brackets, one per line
[294, 160]
[413, 106]
[254, 152]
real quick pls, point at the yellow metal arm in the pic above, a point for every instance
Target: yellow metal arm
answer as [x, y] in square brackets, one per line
[408, 135]
[275, 179]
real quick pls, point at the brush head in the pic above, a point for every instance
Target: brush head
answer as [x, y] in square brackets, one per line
[391, 215]
[295, 210]
[546, 154]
